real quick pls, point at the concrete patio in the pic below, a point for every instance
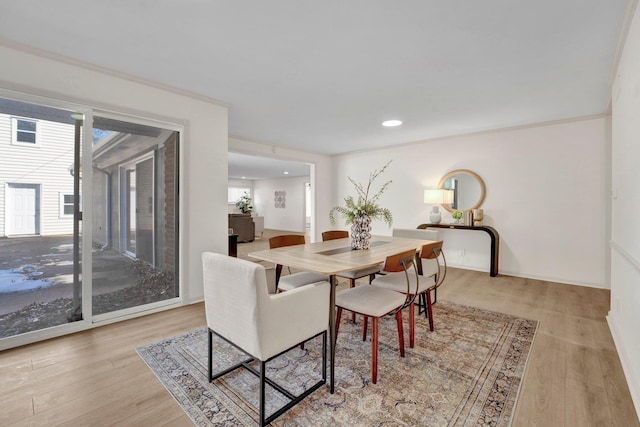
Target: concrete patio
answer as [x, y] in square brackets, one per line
[36, 283]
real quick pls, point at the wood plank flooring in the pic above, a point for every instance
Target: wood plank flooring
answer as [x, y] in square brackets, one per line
[95, 377]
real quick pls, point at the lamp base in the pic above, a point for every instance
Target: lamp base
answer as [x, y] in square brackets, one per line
[434, 216]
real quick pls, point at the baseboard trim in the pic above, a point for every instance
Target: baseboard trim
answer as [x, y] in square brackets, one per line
[627, 364]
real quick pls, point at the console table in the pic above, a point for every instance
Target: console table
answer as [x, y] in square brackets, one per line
[493, 234]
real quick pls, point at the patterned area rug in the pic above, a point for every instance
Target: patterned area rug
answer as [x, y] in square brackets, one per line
[467, 372]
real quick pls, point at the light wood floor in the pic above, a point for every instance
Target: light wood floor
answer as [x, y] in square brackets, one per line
[574, 377]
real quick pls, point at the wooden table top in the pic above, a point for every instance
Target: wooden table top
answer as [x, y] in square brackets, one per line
[336, 256]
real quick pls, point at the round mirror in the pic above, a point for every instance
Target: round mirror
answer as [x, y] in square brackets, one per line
[468, 189]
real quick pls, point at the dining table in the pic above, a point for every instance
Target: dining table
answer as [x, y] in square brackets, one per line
[333, 257]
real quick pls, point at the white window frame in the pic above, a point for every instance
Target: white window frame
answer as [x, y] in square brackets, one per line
[14, 132]
[61, 213]
[236, 189]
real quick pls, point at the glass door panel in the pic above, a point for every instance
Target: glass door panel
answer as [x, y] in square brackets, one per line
[40, 284]
[135, 215]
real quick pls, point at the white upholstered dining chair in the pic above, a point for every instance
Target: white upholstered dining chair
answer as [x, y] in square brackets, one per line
[240, 310]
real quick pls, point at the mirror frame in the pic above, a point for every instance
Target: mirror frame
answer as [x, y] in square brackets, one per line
[483, 189]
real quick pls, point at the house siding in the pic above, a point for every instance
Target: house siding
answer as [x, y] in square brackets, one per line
[45, 164]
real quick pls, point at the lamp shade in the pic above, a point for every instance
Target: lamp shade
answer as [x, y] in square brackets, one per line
[438, 196]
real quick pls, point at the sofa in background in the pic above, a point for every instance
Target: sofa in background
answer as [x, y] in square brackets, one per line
[243, 226]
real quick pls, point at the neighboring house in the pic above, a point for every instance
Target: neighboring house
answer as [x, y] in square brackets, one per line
[36, 182]
[133, 181]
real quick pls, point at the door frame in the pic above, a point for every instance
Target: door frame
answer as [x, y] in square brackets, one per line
[124, 204]
[10, 208]
[89, 109]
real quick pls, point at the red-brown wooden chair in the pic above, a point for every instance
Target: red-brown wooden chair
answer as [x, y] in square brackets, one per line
[433, 275]
[377, 302]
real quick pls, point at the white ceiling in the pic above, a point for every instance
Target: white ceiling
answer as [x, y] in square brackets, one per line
[321, 76]
[242, 166]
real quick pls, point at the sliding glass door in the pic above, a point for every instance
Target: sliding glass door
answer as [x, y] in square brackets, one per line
[88, 217]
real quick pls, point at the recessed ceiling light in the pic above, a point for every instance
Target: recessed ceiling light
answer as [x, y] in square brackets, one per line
[391, 123]
[244, 177]
[286, 173]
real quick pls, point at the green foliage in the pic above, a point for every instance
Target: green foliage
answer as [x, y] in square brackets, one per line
[456, 214]
[364, 205]
[244, 204]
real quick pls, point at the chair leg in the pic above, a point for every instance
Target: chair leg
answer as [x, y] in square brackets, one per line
[338, 316]
[352, 284]
[429, 311]
[364, 327]
[209, 362]
[412, 325]
[262, 393]
[374, 350]
[400, 332]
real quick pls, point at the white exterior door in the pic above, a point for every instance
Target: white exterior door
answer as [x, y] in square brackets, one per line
[24, 209]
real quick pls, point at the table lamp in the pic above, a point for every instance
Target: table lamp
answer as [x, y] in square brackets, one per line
[437, 197]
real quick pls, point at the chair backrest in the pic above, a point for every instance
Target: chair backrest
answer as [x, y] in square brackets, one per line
[402, 262]
[416, 233]
[281, 242]
[234, 291]
[431, 252]
[286, 240]
[334, 234]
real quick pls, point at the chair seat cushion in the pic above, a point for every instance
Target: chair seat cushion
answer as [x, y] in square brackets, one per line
[429, 267]
[295, 280]
[356, 274]
[369, 300]
[398, 282]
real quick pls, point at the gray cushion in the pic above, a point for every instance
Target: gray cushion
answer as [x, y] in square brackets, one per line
[416, 233]
[295, 280]
[369, 300]
[398, 282]
[356, 274]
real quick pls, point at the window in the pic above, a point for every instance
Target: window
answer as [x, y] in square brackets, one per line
[24, 131]
[234, 193]
[66, 205]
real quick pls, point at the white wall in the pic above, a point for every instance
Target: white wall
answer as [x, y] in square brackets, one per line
[292, 216]
[546, 196]
[624, 316]
[203, 222]
[321, 177]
